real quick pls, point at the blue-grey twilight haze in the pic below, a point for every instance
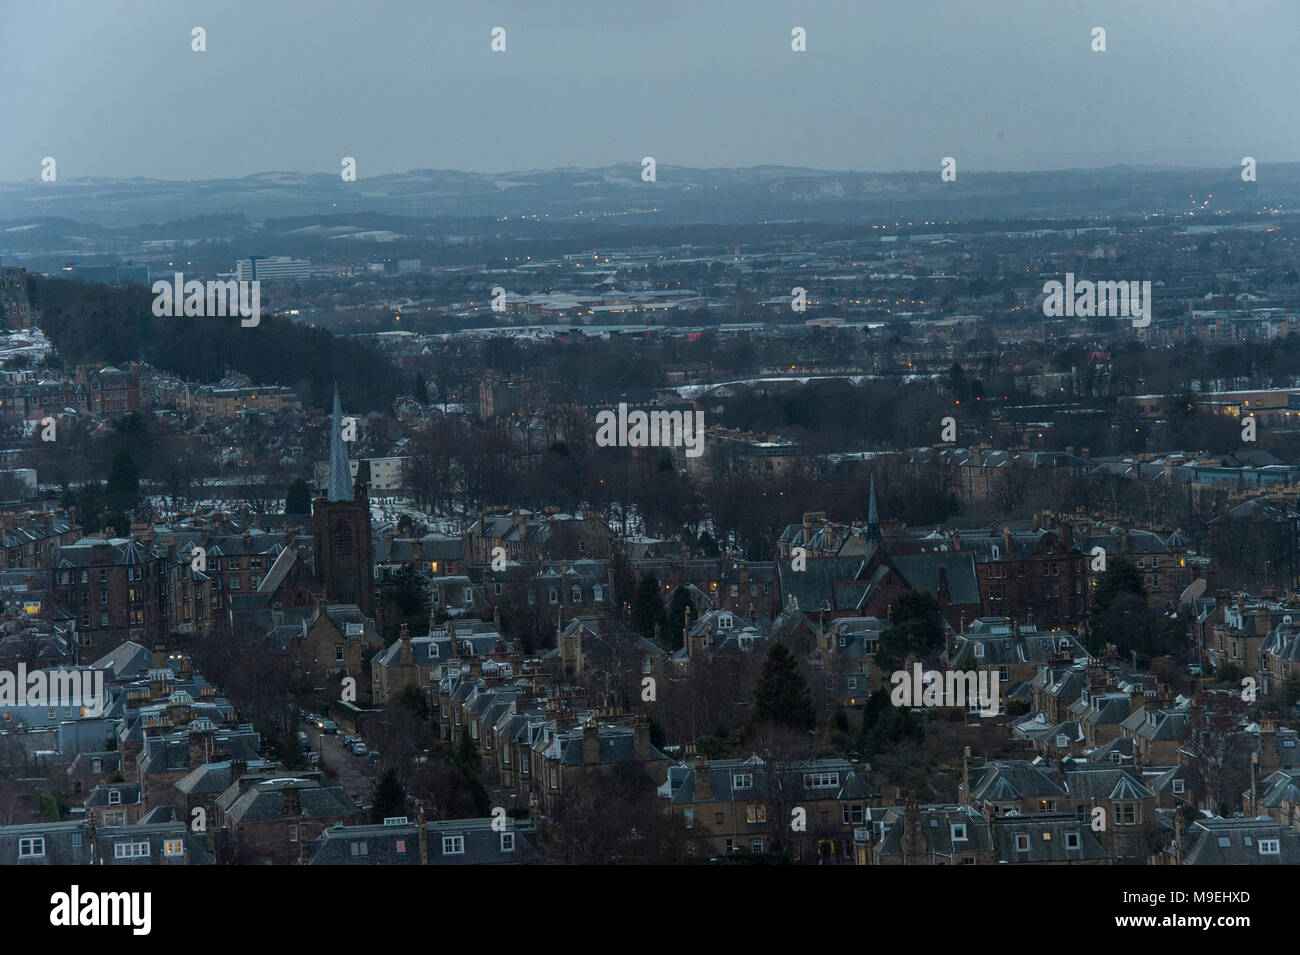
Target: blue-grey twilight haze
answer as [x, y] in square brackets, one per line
[113, 89]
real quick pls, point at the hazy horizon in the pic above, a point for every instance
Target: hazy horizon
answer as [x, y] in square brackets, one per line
[114, 91]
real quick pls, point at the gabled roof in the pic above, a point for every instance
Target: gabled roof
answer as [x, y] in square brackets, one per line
[1012, 780]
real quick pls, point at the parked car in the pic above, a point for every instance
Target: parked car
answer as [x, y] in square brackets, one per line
[313, 759]
[304, 740]
[359, 749]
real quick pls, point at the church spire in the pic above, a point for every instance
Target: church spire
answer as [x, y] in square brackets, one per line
[340, 482]
[873, 516]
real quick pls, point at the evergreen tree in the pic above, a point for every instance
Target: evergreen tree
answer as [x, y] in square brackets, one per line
[49, 808]
[123, 479]
[1120, 578]
[782, 695]
[297, 499]
[916, 629]
[467, 761]
[647, 608]
[390, 798]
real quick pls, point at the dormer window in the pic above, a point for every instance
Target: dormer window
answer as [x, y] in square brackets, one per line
[114, 797]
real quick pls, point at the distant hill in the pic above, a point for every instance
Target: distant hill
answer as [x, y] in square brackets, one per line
[680, 195]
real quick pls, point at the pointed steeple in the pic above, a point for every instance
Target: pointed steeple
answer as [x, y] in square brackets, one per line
[340, 483]
[873, 516]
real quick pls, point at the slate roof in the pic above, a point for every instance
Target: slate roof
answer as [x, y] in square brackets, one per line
[921, 571]
[264, 800]
[1123, 746]
[157, 835]
[66, 843]
[936, 824]
[399, 844]
[811, 587]
[1014, 780]
[1001, 649]
[1101, 781]
[127, 661]
[1157, 724]
[129, 794]
[1236, 842]
[1045, 839]
[214, 778]
[1281, 786]
[722, 775]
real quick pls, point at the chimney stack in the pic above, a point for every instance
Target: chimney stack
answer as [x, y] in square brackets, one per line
[591, 743]
[703, 781]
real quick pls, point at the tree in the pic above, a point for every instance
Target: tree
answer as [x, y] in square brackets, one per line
[49, 808]
[647, 608]
[1291, 688]
[390, 798]
[123, 479]
[467, 761]
[405, 600]
[782, 696]
[916, 629]
[413, 698]
[12, 487]
[613, 817]
[297, 500]
[1121, 578]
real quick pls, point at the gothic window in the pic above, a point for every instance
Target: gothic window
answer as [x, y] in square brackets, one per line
[343, 539]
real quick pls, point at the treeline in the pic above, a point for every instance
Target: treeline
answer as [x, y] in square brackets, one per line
[91, 323]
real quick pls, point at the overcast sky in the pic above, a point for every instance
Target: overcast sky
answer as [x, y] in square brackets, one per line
[112, 88]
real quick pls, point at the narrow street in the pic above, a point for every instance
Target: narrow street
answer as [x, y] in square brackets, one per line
[352, 772]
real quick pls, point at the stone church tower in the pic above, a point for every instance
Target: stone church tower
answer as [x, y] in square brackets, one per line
[341, 529]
